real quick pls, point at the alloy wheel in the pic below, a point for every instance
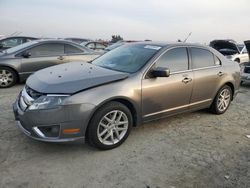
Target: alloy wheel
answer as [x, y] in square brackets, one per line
[112, 127]
[6, 78]
[224, 100]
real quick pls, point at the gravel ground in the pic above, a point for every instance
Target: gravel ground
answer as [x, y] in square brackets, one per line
[191, 150]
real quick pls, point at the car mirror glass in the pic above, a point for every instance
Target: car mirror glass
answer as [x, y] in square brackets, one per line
[161, 72]
[26, 54]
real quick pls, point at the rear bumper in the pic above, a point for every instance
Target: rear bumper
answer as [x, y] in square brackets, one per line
[50, 125]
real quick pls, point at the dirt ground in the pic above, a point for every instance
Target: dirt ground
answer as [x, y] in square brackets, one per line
[191, 150]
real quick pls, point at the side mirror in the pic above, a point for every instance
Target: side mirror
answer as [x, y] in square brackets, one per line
[26, 54]
[160, 72]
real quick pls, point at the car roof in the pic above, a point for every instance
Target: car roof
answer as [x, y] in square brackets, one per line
[167, 44]
[56, 40]
[10, 37]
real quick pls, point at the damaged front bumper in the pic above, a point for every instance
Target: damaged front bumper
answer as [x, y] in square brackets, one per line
[54, 125]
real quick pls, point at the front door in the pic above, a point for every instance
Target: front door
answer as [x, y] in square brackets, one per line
[165, 96]
[42, 56]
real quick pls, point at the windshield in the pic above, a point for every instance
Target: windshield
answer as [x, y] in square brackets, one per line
[19, 47]
[113, 46]
[127, 58]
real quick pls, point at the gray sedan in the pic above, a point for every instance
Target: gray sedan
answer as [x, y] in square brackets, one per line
[125, 87]
[17, 63]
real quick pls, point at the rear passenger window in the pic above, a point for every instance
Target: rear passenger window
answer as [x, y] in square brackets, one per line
[175, 59]
[202, 58]
[69, 49]
[49, 49]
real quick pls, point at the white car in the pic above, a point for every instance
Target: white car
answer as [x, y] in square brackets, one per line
[245, 67]
[242, 57]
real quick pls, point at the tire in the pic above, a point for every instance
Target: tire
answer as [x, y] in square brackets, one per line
[105, 126]
[224, 94]
[8, 77]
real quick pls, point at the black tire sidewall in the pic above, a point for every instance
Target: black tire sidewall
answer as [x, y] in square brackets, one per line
[98, 115]
[13, 75]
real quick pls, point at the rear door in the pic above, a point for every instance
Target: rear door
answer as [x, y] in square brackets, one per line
[163, 96]
[42, 56]
[208, 74]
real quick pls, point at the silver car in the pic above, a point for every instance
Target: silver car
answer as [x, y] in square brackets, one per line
[130, 85]
[17, 63]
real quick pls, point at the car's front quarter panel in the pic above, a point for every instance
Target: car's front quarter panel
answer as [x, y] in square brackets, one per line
[128, 90]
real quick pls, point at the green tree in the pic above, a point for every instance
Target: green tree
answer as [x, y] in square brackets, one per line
[116, 38]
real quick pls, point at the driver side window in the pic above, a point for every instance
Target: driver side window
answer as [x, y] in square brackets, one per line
[175, 59]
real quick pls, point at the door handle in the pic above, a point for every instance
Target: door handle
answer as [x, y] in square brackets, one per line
[60, 58]
[220, 73]
[187, 80]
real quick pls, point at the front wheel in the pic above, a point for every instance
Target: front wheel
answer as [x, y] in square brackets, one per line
[222, 100]
[8, 77]
[110, 126]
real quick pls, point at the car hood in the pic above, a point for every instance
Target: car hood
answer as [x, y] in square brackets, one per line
[225, 47]
[71, 78]
[247, 44]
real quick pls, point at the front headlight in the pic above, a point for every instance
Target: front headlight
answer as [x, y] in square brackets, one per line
[48, 102]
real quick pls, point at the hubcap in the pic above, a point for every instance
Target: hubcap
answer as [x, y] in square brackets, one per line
[224, 100]
[6, 77]
[112, 127]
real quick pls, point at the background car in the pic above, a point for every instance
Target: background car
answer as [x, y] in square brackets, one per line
[226, 47]
[245, 67]
[125, 87]
[77, 40]
[242, 57]
[118, 44]
[97, 46]
[9, 42]
[17, 63]
[231, 50]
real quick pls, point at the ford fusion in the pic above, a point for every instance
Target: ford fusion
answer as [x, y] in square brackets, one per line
[130, 85]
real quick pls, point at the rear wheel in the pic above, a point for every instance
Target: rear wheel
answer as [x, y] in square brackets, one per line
[222, 100]
[8, 77]
[110, 126]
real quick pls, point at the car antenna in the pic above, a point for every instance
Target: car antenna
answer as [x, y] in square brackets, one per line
[187, 37]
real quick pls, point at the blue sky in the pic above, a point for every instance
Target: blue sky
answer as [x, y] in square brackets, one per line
[161, 20]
